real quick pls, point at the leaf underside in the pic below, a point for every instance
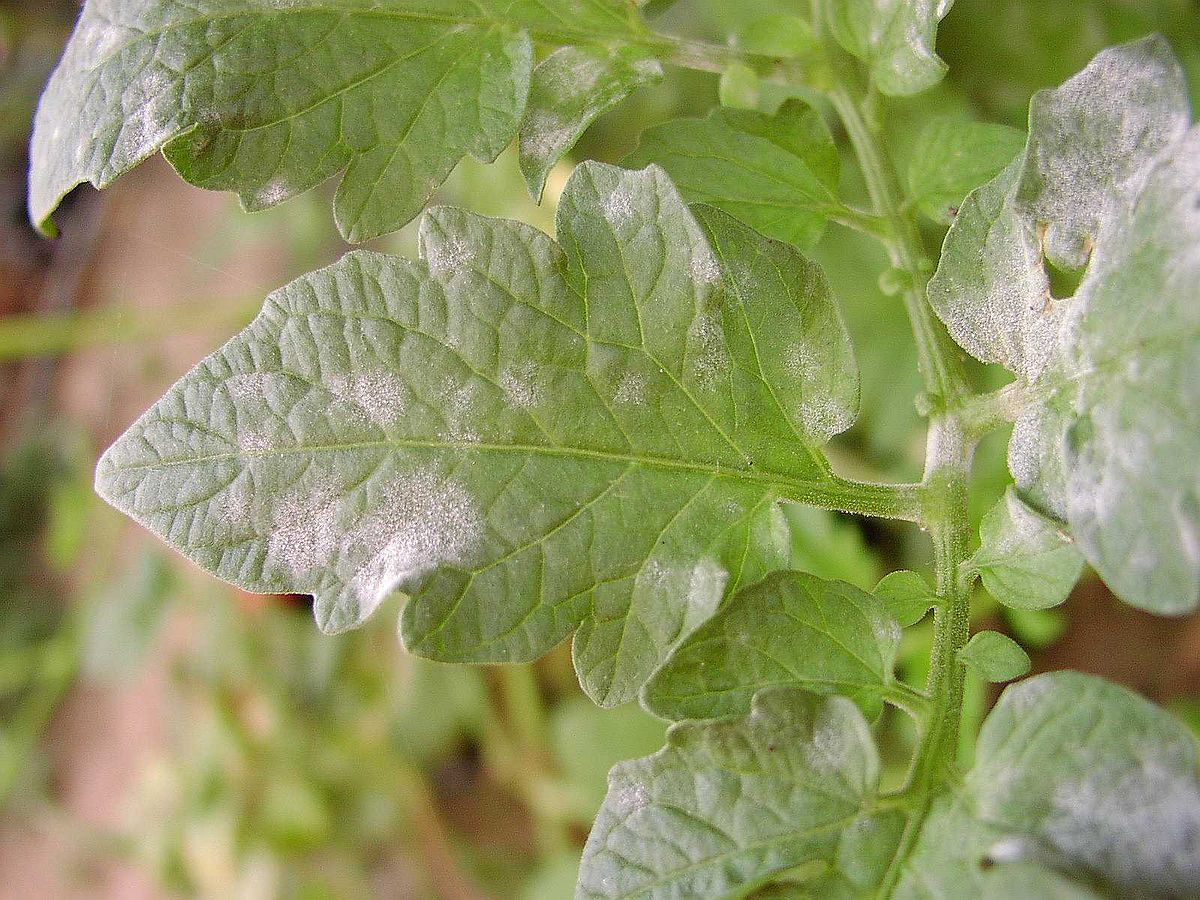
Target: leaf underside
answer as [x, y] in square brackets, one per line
[1106, 186]
[1079, 786]
[270, 99]
[525, 437]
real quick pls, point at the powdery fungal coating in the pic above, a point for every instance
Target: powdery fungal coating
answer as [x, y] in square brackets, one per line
[272, 193]
[628, 798]
[705, 268]
[304, 535]
[425, 521]
[822, 418]
[1141, 827]
[253, 386]
[380, 396]
[829, 747]
[801, 362]
[706, 351]
[631, 391]
[521, 385]
[254, 442]
[444, 258]
[618, 206]
[234, 507]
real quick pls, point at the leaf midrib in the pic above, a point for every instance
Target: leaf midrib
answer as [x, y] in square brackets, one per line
[650, 461]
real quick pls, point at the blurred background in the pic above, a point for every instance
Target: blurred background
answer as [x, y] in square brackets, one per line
[163, 735]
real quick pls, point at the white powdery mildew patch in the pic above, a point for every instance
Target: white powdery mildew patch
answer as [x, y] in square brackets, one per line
[705, 268]
[272, 193]
[887, 631]
[521, 386]
[304, 532]
[1028, 694]
[1011, 849]
[618, 207]
[445, 258]
[631, 391]
[252, 386]
[456, 402]
[235, 507]
[254, 442]
[626, 799]
[1139, 826]
[705, 587]
[379, 395]
[425, 521]
[822, 418]
[800, 362]
[828, 749]
[708, 356]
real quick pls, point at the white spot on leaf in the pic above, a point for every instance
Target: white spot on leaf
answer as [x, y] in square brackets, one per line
[425, 521]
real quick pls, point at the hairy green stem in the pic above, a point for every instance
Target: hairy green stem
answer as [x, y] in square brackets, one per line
[947, 456]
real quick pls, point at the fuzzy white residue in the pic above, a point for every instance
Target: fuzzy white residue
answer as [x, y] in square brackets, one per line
[704, 266]
[251, 386]
[1139, 826]
[304, 533]
[443, 258]
[424, 521]
[379, 395]
[254, 442]
[627, 798]
[520, 383]
[618, 206]
[829, 748]
[631, 391]
[708, 356]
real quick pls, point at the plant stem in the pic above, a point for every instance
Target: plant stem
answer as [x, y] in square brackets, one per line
[947, 457]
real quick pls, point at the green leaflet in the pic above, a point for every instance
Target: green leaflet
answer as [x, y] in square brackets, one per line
[1024, 559]
[1106, 443]
[951, 157]
[570, 89]
[1074, 773]
[906, 595]
[525, 438]
[790, 629]
[895, 38]
[270, 99]
[778, 174]
[728, 805]
[994, 657]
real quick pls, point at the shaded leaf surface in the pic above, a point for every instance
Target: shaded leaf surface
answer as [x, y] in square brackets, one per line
[270, 99]
[1108, 442]
[727, 805]
[778, 174]
[791, 629]
[895, 38]
[525, 438]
